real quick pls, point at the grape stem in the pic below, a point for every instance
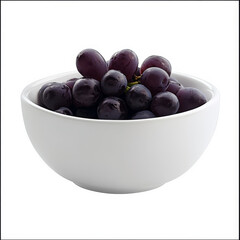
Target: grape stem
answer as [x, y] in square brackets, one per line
[137, 77]
[127, 88]
[133, 83]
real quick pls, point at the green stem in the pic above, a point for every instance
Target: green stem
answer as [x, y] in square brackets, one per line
[133, 83]
[137, 77]
[127, 88]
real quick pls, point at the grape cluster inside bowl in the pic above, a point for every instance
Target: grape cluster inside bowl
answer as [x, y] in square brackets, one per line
[120, 156]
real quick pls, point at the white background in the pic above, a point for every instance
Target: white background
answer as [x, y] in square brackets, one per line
[43, 38]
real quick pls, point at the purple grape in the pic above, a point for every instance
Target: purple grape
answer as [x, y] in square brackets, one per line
[86, 92]
[138, 97]
[156, 61]
[125, 61]
[113, 83]
[112, 108]
[143, 114]
[71, 82]
[155, 79]
[91, 64]
[174, 86]
[174, 80]
[86, 112]
[164, 103]
[57, 95]
[40, 93]
[190, 98]
[64, 110]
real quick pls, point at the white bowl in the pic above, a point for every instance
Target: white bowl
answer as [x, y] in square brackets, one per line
[120, 156]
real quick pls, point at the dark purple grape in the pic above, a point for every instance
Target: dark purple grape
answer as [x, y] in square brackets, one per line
[190, 98]
[174, 80]
[86, 92]
[57, 95]
[143, 114]
[174, 86]
[125, 61]
[64, 110]
[71, 82]
[86, 112]
[155, 79]
[112, 108]
[40, 93]
[91, 64]
[113, 83]
[164, 103]
[156, 61]
[138, 97]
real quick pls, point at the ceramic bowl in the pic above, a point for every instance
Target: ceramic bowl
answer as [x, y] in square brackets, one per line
[120, 156]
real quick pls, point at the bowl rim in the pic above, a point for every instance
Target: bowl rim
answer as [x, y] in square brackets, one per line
[24, 97]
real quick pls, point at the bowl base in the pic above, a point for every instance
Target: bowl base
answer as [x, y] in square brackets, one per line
[115, 191]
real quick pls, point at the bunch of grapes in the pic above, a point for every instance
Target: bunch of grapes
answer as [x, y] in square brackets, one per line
[119, 89]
